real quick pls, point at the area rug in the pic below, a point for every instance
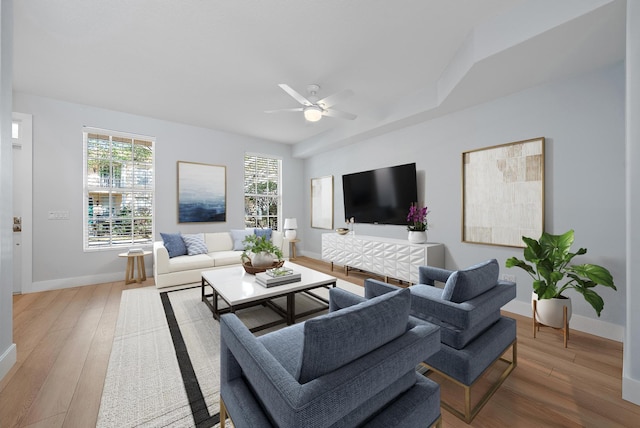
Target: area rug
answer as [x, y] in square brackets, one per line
[164, 364]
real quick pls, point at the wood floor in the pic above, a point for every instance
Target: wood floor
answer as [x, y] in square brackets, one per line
[64, 340]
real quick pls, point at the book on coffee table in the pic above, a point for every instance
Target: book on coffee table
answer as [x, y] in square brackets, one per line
[266, 280]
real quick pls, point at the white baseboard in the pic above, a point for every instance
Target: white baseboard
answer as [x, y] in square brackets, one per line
[56, 284]
[578, 322]
[631, 390]
[7, 360]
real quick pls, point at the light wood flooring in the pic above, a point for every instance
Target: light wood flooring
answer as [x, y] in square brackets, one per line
[64, 340]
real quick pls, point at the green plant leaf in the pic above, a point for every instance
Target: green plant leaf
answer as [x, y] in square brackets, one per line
[593, 298]
[595, 273]
[515, 262]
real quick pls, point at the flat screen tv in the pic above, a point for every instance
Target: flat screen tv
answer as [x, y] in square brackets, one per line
[380, 196]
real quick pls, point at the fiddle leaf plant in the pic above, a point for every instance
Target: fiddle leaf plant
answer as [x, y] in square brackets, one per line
[550, 259]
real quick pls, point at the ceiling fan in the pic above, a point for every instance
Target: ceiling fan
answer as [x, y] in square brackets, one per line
[314, 108]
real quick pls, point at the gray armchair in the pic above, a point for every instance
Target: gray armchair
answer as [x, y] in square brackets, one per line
[352, 367]
[473, 332]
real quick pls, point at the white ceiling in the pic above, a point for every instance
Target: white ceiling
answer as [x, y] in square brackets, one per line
[217, 64]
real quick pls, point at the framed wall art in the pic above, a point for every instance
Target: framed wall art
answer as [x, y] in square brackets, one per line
[503, 193]
[202, 193]
[322, 202]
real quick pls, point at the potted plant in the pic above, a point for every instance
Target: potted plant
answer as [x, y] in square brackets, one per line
[418, 225]
[262, 251]
[550, 259]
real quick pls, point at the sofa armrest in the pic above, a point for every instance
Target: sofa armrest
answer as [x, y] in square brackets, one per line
[281, 242]
[429, 274]
[160, 258]
[340, 299]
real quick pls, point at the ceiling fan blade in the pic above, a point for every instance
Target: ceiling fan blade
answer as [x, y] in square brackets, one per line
[337, 113]
[302, 100]
[284, 109]
[335, 98]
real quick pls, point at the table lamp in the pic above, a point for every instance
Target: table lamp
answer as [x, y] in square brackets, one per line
[290, 226]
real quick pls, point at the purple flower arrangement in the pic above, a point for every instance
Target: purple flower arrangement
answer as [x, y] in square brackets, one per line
[417, 218]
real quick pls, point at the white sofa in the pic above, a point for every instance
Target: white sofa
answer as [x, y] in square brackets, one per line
[187, 269]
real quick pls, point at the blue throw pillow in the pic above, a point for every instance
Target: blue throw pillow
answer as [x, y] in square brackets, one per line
[195, 244]
[238, 235]
[174, 244]
[263, 232]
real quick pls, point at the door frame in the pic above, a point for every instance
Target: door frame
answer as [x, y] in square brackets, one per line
[25, 140]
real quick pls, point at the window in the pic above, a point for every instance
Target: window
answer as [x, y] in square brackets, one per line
[261, 191]
[118, 189]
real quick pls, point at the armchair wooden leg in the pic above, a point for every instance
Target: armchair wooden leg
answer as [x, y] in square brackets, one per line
[223, 414]
[438, 423]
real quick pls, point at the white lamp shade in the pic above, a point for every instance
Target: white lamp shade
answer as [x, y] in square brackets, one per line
[290, 226]
[290, 223]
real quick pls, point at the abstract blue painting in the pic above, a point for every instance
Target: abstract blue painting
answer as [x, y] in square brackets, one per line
[202, 193]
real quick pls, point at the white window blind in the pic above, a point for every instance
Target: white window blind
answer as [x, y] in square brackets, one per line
[262, 196]
[118, 189]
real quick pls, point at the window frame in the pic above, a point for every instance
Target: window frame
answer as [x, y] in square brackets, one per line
[108, 187]
[278, 195]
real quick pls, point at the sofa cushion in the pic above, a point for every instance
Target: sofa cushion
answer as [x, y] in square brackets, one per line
[335, 339]
[218, 241]
[181, 263]
[263, 232]
[238, 235]
[225, 258]
[195, 244]
[174, 244]
[466, 284]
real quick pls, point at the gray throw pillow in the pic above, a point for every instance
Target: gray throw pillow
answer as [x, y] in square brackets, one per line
[195, 244]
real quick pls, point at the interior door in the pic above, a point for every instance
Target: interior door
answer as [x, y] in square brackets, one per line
[22, 202]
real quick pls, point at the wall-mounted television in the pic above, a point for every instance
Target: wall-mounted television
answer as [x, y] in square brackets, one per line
[380, 196]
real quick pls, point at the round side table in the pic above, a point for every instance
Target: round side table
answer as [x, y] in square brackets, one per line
[131, 261]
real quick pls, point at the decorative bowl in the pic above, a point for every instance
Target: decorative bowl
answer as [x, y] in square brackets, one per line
[254, 270]
[342, 230]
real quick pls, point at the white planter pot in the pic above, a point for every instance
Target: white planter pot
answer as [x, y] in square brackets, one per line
[262, 259]
[550, 311]
[418, 237]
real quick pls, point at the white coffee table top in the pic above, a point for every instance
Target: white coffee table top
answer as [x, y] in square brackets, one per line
[237, 286]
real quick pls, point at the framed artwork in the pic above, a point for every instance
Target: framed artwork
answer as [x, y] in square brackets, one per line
[503, 193]
[202, 193]
[322, 202]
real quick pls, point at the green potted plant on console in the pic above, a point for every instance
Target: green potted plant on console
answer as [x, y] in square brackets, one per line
[550, 258]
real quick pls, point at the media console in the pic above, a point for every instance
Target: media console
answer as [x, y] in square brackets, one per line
[391, 258]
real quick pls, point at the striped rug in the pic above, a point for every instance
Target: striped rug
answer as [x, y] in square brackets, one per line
[164, 364]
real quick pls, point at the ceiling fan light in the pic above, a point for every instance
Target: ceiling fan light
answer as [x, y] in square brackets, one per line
[313, 113]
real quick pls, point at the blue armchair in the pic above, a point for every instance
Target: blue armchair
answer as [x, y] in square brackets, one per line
[474, 334]
[354, 366]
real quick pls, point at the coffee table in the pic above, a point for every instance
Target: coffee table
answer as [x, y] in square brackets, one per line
[239, 290]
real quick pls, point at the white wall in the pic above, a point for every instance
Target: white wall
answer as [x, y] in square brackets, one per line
[7, 347]
[582, 119]
[58, 256]
[631, 366]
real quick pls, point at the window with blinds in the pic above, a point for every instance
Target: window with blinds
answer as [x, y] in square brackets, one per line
[118, 189]
[262, 191]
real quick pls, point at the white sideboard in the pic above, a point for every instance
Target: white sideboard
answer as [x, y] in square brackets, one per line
[391, 258]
